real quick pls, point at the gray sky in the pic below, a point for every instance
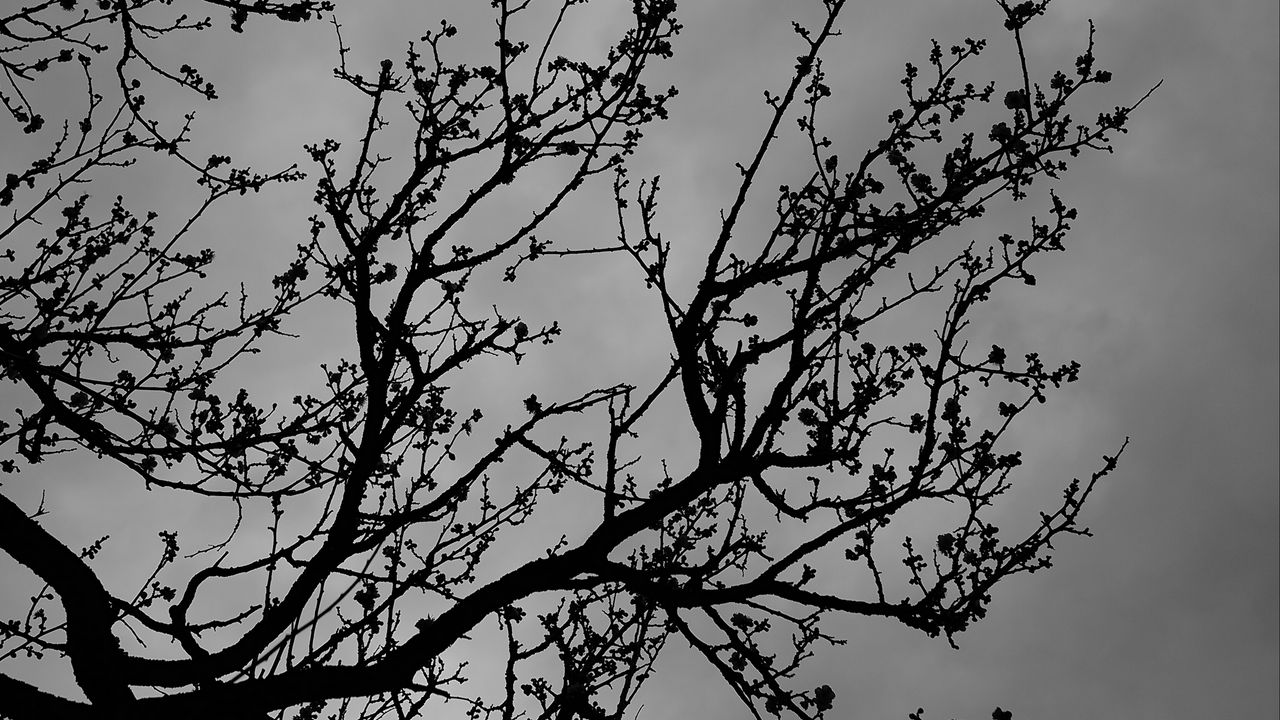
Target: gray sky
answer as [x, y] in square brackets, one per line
[1167, 296]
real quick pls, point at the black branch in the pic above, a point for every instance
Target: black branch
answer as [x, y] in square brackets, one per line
[818, 419]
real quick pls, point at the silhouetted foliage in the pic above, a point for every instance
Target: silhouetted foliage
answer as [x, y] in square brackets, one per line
[814, 428]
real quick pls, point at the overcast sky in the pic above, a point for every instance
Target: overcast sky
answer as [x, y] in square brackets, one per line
[1167, 296]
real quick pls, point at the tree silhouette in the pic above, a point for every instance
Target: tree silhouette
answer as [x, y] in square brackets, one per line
[391, 509]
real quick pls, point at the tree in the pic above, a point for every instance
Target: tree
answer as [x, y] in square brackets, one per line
[385, 502]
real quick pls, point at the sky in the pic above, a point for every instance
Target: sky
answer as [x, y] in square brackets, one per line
[1168, 296]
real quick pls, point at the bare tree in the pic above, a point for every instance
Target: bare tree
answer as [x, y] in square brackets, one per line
[814, 427]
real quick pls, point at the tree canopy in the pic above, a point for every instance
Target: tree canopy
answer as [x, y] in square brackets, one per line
[377, 515]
